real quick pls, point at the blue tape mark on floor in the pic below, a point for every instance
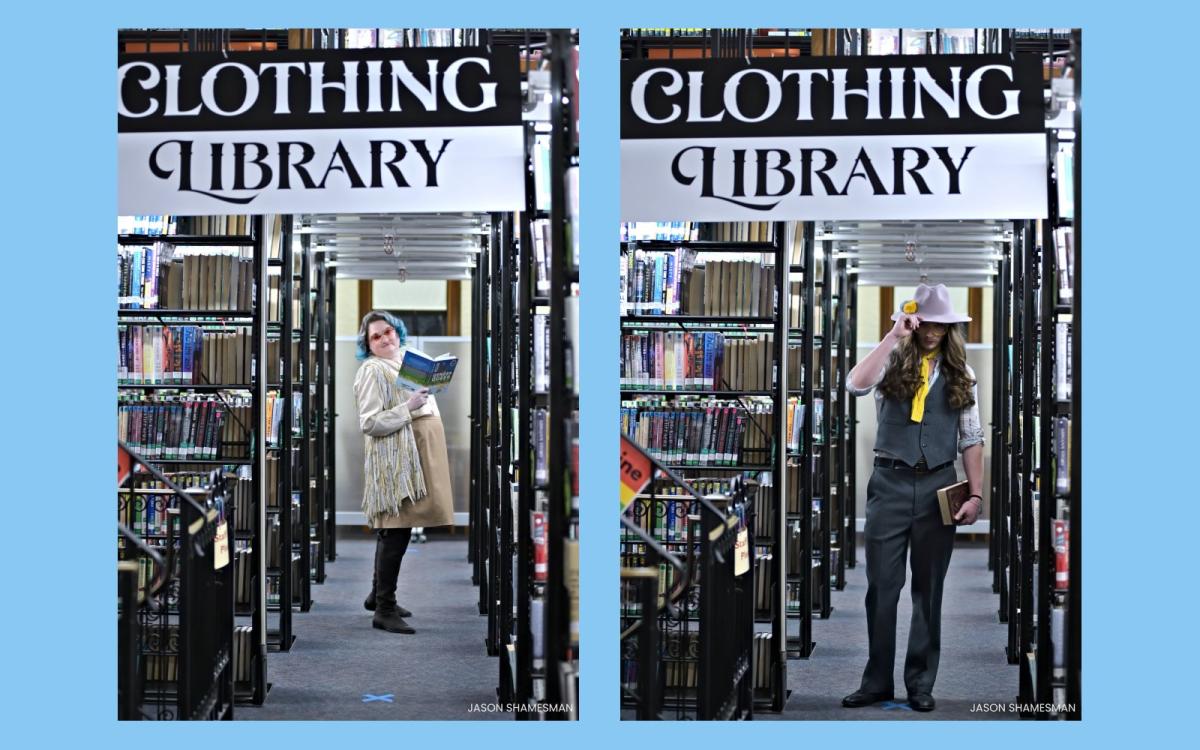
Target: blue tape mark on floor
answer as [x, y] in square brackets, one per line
[896, 705]
[384, 698]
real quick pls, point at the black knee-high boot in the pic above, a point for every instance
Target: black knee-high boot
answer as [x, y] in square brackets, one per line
[389, 554]
[369, 602]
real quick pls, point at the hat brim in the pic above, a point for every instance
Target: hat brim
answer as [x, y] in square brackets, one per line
[937, 318]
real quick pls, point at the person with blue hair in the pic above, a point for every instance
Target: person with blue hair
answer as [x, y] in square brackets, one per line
[406, 470]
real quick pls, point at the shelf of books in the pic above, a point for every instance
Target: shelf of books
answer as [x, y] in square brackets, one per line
[524, 493]
[845, 332]
[999, 530]
[313, 531]
[562, 511]
[703, 391]
[496, 273]
[1035, 470]
[805, 443]
[323, 521]
[287, 587]
[481, 393]
[689, 646]
[176, 652]
[190, 395]
[652, 43]
[1055, 670]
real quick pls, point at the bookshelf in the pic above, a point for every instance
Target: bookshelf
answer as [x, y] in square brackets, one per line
[846, 333]
[805, 547]
[681, 588]
[1055, 670]
[644, 43]
[322, 336]
[703, 352]
[1035, 472]
[176, 653]
[189, 287]
[562, 606]
[524, 492]
[287, 588]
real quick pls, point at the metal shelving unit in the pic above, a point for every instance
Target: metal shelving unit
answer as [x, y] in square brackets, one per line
[773, 458]
[255, 690]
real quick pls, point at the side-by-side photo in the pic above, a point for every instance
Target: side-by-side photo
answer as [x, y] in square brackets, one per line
[347, 387]
[850, 374]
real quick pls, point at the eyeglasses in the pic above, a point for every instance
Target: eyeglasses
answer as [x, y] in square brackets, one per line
[389, 331]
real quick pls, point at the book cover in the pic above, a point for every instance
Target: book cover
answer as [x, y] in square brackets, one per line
[951, 499]
[419, 370]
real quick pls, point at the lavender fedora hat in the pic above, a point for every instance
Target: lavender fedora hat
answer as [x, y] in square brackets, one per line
[932, 304]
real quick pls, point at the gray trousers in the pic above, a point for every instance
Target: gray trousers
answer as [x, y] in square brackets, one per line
[902, 509]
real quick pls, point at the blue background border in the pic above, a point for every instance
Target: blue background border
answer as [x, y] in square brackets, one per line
[60, 198]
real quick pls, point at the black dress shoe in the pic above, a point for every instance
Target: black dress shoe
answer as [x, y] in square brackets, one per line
[369, 605]
[860, 698]
[921, 702]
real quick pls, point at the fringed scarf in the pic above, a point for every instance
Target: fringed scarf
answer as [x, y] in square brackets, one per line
[392, 466]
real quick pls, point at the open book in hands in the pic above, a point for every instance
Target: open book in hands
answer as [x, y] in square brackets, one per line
[419, 370]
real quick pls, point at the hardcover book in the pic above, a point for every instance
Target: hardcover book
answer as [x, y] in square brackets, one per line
[951, 499]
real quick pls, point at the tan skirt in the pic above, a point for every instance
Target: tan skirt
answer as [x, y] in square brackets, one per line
[437, 507]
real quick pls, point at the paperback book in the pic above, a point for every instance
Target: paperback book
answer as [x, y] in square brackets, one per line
[419, 370]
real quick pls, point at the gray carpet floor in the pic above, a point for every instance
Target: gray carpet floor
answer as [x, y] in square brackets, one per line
[973, 668]
[342, 668]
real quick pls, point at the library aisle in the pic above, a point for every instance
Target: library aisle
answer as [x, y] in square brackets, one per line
[972, 645]
[781, 328]
[343, 669]
[399, 355]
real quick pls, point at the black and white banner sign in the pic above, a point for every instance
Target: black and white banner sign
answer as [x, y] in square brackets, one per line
[363, 131]
[904, 137]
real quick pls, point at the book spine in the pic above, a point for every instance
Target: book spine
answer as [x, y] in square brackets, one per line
[187, 430]
[1062, 571]
[123, 355]
[214, 431]
[708, 454]
[160, 429]
[695, 423]
[669, 284]
[1062, 463]
[736, 437]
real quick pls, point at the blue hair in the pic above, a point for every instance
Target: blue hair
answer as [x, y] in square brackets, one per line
[364, 350]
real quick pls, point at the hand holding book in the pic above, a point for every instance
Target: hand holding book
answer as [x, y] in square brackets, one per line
[958, 506]
[969, 512]
[418, 399]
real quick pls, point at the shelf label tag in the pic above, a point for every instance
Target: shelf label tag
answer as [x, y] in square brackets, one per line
[124, 465]
[635, 471]
[741, 553]
[221, 546]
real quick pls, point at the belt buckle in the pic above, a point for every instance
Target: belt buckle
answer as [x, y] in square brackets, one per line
[922, 466]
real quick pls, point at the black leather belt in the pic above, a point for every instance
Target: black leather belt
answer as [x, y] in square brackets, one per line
[920, 468]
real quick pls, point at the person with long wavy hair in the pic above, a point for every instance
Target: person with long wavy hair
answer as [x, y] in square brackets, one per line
[927, 403]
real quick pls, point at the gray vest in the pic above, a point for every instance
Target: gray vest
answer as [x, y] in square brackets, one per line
[935, 437]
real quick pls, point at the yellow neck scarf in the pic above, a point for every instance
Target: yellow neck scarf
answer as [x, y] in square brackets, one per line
[918, 403]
